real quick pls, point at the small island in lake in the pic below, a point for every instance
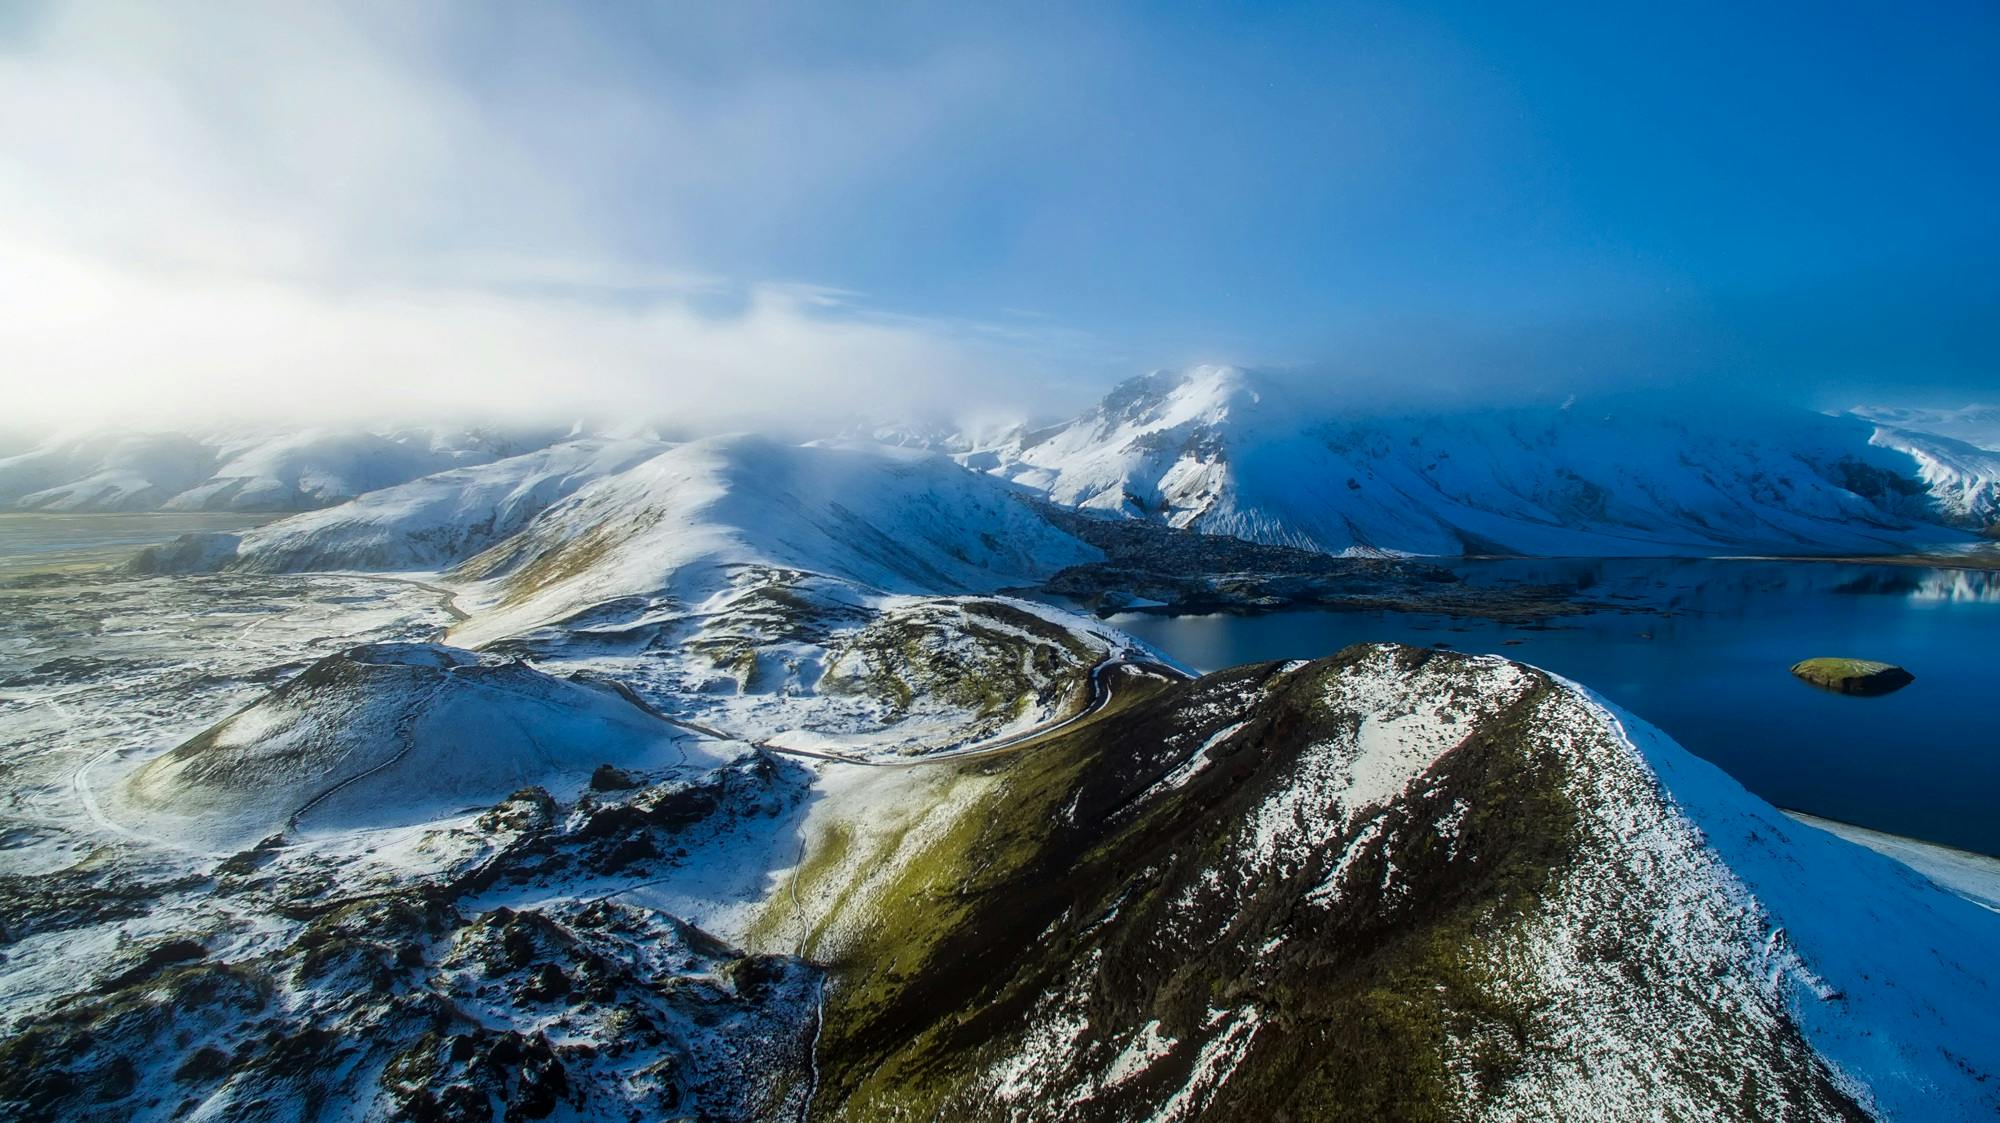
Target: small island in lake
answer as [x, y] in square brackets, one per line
[1853, 676]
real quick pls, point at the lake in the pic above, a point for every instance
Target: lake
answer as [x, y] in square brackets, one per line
[35, 540]
[1702, 648]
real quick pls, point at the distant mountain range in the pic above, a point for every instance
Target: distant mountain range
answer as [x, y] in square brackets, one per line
[1957, 456]
[1213, 449]
[561, 530]
[1225, 451]
[292, 470]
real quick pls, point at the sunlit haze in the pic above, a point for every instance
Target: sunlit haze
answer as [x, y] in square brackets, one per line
[723, 214]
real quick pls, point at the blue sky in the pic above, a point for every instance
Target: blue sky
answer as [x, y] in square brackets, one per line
[553, 206]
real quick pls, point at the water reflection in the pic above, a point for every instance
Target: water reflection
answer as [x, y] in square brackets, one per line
[1959, 585]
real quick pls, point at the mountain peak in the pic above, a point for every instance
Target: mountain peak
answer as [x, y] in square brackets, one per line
[1165, 398]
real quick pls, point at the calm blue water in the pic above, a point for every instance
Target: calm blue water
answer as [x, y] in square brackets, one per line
[1711, 669]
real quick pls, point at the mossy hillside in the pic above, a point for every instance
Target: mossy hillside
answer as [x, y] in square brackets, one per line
[785, 603]
[1084, 900]
[1366, 1023]
[732, 656]
[529, 565]
[769, 611]
[849, 898]
[953, 890]
[876, 894]
[883, 901]
[769, 604]
[875, 1035]
[1403, 1009]
[838, 861]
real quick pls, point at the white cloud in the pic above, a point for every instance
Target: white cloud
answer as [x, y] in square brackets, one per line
[292, 212]
[88, 342]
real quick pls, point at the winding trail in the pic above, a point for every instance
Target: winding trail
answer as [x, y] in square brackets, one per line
[819, 988]
[404, 729]
[447, 599]
[86, 797]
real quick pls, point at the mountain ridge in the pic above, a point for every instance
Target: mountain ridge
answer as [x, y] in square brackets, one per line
[887, 519]
[1227, 451]
[1392, 883]
[280, 470]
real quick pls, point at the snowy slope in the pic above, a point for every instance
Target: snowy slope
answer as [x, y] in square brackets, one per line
[1963, 477]
[306, 469]
[240, 471]
[387, 735]
[427, 523]
[1228, 452]
[370, 969]
[893, 520]
[1896, 980]
[1976, 425]
[1393, 883]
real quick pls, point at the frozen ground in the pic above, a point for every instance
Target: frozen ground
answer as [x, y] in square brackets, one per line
[94, 667]
[332, 759]
[398, 901]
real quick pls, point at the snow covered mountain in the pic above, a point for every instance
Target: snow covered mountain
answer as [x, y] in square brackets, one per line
[427, 523]
[104, 472]
[263, 471]
[1976, 425]
[758, 800]
[1393, 883]
[583, 523]
[1963, 478]
[676, 526]
[1229, 452]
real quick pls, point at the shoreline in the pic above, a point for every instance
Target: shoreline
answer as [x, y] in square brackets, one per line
[1980, 559]
[1970, 874]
